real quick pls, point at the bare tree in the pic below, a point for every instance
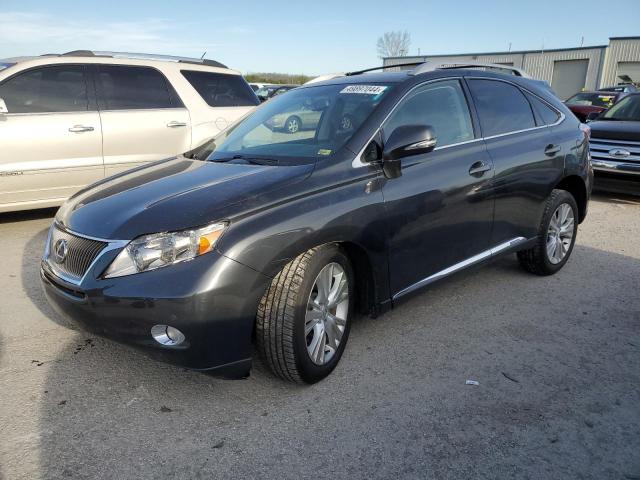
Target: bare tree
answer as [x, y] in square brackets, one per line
[394, 44]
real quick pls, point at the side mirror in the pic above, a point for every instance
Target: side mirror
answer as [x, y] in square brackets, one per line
[592, 116]
[3, 107]
[406, 141]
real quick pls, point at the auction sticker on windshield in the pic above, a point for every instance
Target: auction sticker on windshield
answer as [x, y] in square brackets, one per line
[365, 89]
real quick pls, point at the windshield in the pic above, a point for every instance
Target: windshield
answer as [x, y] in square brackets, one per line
[304, 123]
[592, 99]
[627, 109]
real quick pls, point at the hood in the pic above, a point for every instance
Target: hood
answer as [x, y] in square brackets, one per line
[174, 194]
[615, 130]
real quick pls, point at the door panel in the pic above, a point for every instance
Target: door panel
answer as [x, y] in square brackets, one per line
[41, 159]
[521, 151]
[438, 214]
[133, 137]
[439, 211]
[51, 141]
[523, 176]
[143, 119]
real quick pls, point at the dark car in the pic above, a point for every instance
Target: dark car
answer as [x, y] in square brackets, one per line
[279, 239]
[270, 91]
[615, 146]
[584, 103]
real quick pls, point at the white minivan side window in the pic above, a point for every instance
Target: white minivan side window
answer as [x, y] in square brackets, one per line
[124, 87]
[59, 88]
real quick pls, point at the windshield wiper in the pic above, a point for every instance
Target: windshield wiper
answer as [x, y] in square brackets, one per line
[252, 160]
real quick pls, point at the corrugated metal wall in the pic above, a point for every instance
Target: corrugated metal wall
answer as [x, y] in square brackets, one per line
[540, 65]
[624, 50]
[602, 69]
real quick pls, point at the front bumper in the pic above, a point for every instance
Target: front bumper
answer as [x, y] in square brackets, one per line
[615, 166]
[211, 299]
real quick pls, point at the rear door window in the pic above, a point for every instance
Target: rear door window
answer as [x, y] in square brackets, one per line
[442, 105]
[221, 89]
[502, 107]
[134, 88]
[47, 90]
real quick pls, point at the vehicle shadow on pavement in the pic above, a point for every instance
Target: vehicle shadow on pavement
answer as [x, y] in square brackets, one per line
[617, 198]
[13, 217]
[557, 363]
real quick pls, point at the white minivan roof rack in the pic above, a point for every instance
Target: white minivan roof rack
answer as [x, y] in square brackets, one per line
[143, 56]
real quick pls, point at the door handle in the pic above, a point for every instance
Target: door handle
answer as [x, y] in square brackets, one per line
[478, 168]
[552, 149]
[80, 129]
[175, 124]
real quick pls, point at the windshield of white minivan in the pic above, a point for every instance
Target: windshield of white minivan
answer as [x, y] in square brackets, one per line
[305, 123]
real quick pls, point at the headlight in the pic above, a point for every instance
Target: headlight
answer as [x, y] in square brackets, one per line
[161, 249]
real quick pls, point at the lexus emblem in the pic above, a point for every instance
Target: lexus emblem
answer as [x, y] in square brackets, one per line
[60, 250]
[619, 152]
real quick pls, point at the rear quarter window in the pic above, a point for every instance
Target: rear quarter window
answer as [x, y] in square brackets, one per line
[545, 114]
[220, 89]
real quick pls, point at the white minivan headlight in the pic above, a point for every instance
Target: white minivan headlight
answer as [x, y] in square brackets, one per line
[162, 249]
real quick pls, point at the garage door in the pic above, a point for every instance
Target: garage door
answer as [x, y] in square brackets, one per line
[632, 69]
[569, 77]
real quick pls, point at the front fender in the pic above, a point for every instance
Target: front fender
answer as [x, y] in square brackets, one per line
[347, 211]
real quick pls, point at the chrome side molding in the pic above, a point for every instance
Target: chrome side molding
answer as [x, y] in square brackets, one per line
[461, 265]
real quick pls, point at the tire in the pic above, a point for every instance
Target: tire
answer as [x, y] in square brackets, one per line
[539, 259]
[293, 124]
[284, 313]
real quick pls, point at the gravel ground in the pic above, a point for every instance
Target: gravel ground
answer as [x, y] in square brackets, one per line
[557, 360]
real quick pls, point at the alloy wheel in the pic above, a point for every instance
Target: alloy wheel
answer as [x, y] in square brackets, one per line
[293, 125]
[560, 233]
[327, 313]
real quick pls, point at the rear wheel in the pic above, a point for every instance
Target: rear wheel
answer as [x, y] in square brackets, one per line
[304, 317]
[556, 236]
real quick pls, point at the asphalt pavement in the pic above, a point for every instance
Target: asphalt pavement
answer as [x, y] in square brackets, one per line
[557, 360]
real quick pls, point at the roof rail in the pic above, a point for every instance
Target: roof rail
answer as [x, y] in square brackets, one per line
[430, 66]
[144, 56]
[373, 69]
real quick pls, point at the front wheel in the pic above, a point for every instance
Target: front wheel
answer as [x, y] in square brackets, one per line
[303, 319]
[556, 236]
[293, 124]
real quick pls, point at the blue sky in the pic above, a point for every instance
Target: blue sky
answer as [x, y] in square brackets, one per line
[306, 37]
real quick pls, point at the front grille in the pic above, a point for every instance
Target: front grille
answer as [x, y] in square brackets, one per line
[600, 148]
[73, 261]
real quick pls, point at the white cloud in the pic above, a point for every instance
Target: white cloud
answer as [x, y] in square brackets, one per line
[32, 33]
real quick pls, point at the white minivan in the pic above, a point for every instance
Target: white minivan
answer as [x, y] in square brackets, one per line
[72, 119]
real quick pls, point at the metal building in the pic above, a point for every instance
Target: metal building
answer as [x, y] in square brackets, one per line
[568, 70]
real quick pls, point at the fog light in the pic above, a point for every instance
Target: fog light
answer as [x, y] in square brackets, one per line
[167, 335]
